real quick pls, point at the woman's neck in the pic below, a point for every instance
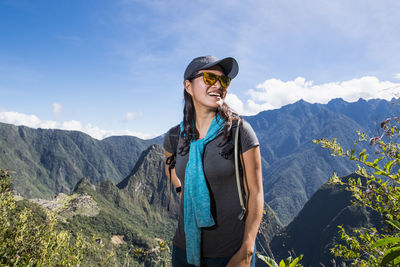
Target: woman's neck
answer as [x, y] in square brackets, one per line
[203, 122]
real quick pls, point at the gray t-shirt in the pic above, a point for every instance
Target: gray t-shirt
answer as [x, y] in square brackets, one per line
[225, 237]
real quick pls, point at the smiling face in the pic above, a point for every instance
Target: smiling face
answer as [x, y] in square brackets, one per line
[206, 96]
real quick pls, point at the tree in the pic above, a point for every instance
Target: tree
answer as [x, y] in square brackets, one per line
[379, 189]
[27, 239]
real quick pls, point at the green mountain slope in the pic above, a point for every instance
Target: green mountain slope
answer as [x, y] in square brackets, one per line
[131, 220]
[293, 167]
[46, 162]
[314, 230]
[148, 180]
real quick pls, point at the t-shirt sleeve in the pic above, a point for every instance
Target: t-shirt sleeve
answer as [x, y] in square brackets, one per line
[167, 142]
[168, 146]
[247, 136]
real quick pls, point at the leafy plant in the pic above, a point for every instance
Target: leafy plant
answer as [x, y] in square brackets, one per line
[377, 188]
[27, 239]
[289, 262]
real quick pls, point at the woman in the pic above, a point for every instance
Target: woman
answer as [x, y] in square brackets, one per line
[209, 231]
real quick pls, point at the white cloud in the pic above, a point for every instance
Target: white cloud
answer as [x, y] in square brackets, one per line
[274, 93]
[21, 119]
[235, 103]
[33, 121]
[397, 76]
[129, 116]
[72, 125]
[56, 108]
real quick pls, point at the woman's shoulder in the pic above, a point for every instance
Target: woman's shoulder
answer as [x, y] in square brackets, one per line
[245, 126]
[171, 138]
[175, 130]
[248, 137]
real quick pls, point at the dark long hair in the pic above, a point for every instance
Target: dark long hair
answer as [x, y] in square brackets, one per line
[189, 121]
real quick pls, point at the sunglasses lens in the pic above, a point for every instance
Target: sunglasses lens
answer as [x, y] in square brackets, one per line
[225, 81]
[210, 78]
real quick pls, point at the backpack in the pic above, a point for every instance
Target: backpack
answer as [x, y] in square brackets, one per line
[171, 161]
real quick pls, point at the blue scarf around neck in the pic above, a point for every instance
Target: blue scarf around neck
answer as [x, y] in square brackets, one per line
[197, 213]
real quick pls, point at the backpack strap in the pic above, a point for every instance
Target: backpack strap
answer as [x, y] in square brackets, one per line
[239, 187]
[171, 160]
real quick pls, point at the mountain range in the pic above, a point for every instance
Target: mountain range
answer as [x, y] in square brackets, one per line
[46, 162]
[123, 187]
[293, 166]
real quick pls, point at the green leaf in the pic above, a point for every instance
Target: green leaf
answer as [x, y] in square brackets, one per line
[377, 160]
[267, 260]
[388, 166]
[282, 264]
[395, 224]
[380, 173]
[365, 157]
[386, 241]
[391, 256]
[296, 260]
[362, 153]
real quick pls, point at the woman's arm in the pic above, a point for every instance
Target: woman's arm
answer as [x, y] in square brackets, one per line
[251, 162]
[174, 179]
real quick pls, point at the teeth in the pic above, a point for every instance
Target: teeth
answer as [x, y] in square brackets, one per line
[214, 94]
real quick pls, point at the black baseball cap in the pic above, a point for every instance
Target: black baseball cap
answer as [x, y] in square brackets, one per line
[229, 65]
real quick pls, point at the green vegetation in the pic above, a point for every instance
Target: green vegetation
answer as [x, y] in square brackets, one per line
[288, 262]
[131, 222]
[32, 238]
[46, 161]
[315, 229]
[125, 233]
[132, 218]
[379, 190]
[139, 228]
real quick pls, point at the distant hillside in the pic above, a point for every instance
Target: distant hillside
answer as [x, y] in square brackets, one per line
[270, 226]
[293, 167]
[148, 180]
[46, 162]
[315, 229]
[127, 219]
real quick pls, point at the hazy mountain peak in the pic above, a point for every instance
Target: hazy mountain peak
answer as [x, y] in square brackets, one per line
[338, 100]
[153, 153]
[83, 183]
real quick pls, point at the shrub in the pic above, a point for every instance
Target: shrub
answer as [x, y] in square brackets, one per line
[379, 191]
[29, 240]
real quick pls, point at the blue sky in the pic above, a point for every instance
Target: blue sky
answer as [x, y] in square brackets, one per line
[116, 67]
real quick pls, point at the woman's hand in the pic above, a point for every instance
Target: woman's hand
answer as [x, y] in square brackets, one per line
[242, 257]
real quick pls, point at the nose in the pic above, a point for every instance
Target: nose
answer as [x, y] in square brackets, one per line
[218, 85]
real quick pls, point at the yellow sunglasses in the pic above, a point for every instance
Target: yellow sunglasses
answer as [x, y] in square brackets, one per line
[211, 78]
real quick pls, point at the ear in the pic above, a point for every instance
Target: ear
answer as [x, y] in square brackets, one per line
[188, 87]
